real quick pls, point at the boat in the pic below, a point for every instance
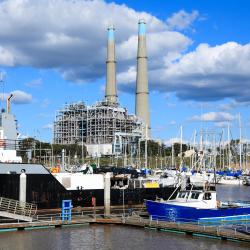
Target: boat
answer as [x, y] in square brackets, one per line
[195, 205]
[230, 180]
[246, 180]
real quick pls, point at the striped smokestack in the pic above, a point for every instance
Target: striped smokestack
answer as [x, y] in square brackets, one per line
[111, 92]
[142, 106]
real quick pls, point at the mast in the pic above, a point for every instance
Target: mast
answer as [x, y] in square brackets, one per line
[228, 152]
[181, 149]
[240, 142]
[146, 147]
[172, 156]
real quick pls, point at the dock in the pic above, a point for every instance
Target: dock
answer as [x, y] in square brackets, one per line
[80, 219]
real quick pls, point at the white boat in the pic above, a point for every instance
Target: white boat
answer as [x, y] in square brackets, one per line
[230, 180]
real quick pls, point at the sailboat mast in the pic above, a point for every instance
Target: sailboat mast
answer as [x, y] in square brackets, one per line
[240, 142]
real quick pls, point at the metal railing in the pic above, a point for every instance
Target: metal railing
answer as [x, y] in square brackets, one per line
[134, 219]
[16, 207]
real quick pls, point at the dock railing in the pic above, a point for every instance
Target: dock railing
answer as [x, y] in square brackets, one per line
[222, 231]
[16, 207]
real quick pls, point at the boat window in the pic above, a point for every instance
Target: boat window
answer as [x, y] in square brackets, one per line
[195, 195]
[207, 196]
[182, 195]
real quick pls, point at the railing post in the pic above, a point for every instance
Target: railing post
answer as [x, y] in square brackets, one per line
[8, 205]
[15, 208]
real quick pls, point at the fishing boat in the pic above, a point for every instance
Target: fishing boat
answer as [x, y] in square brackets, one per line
[196, 205]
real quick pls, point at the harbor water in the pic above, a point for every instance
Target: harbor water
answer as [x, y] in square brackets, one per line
[112, 237]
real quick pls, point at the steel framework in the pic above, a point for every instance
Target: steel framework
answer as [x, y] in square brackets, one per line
[102, 123]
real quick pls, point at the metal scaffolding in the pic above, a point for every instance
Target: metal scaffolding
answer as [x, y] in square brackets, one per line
[102, 123]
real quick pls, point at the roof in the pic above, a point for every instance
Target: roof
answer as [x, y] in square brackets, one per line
[8, 168]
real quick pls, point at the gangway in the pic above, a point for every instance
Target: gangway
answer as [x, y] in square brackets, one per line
[17, 210]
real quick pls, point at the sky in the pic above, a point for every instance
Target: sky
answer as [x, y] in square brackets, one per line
[53, 52]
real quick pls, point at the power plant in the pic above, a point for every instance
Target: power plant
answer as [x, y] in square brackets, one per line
[106, 128]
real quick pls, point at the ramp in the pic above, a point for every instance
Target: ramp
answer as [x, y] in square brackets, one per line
[17, 210]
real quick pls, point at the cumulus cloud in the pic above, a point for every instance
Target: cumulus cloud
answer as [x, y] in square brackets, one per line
[214, 117]
[211, 73]
[205, 74]
[42, 34]
[21, 97]
[182, 20]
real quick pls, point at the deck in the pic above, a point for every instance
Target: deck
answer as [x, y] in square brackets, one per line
[81, 219]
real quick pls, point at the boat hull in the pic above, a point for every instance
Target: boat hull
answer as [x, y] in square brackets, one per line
[168, 212]
[47, 192]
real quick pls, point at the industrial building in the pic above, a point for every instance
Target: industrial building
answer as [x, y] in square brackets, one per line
[106, 128]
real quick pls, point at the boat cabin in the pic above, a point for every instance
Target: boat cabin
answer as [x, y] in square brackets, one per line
[196, 198]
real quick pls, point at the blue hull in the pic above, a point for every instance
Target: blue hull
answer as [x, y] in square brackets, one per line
[163, 211]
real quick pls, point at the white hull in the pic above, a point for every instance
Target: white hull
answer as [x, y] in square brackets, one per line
[224, 181]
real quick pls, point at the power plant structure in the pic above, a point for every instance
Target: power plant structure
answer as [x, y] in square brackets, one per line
[142, 92]
[106, 128]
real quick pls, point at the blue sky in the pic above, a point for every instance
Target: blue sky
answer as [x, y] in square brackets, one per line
[53, 52]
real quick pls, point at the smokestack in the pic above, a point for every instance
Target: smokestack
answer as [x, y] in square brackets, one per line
[9, 102]
[111, 92]
[142, 106]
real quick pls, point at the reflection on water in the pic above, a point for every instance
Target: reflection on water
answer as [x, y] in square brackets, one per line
[112, 237]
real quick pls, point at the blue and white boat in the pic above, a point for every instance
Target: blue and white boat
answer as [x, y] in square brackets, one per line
[196, 205]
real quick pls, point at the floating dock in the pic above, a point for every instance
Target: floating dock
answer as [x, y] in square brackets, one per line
[81, 219]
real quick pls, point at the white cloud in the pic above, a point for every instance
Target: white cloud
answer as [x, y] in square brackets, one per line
[214, 117]
[36, 83]
[172, 122]
[174, 140]
[233, 105]
[42, 34]
[223, 124]
[208, 74]
[182, 20]
[48, 126]
[21, 97]
[6, 57]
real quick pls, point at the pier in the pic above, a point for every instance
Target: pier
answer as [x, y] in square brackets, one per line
[81, 218]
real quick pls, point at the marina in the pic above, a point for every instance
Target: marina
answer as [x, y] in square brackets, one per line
[136, 125]
[220, 232]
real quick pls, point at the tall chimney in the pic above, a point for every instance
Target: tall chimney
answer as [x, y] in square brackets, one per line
[111, 92]
[142, 106]
[9, 102]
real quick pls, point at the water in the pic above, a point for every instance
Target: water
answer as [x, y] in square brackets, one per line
[112, 237]
[233, 192]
